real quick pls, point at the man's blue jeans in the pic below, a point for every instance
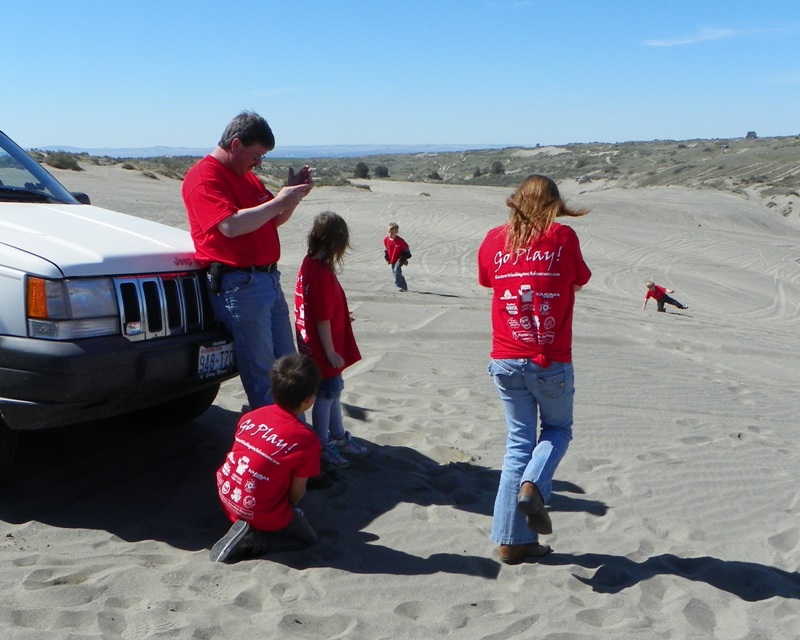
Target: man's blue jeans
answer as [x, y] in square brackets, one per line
[252, 307]
[526, 390]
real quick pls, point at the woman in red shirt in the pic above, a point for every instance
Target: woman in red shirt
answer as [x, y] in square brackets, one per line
[534, 266]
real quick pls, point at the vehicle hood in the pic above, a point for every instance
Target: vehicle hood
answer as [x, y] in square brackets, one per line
[83, 240]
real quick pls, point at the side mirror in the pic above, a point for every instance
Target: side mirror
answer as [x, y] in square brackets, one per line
[80, 197]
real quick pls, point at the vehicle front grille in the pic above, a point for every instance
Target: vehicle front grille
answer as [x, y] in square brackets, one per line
[161, 305]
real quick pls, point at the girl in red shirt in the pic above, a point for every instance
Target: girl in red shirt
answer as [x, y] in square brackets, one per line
[324, 330]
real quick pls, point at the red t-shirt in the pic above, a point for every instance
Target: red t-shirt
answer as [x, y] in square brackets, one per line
[318, 296]
[657, 293]
[271, 447]
[533, 293]
[394, 248]
[211, 193]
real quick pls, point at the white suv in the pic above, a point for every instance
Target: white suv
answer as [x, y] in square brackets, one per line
[102, 314]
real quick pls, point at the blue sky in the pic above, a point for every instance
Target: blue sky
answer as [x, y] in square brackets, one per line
[139, 73]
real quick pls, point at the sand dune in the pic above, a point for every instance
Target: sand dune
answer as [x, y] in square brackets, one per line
[676, 511]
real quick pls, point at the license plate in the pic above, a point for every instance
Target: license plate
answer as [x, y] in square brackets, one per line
[215, 360]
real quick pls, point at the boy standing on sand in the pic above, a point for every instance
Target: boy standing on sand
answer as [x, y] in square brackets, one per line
[660, 296]
[396, 253]
[265, 473]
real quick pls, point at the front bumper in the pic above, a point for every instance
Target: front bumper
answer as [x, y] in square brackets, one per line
[49, 384]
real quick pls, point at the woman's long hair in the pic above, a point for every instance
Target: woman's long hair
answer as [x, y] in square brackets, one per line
[534, 206]
[329, 239]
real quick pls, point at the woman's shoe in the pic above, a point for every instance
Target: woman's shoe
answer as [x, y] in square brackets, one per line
[530, 502]
[516, 553]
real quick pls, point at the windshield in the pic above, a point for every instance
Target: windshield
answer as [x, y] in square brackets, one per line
[22, 179]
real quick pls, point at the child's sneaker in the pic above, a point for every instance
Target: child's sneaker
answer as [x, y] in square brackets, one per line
[332, 457]
[349, 446]
[233, 544]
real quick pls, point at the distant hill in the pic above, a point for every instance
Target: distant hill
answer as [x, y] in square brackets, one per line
[766, 168]
[331, 151]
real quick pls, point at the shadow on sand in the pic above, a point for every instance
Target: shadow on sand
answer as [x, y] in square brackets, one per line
[143, 483]
[746, 580]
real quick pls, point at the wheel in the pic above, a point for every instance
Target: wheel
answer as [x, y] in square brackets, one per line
[8, 447]
[178, 411]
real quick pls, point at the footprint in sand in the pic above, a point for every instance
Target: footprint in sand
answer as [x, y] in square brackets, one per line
[308, 626]
[700, 616]
[785, 541]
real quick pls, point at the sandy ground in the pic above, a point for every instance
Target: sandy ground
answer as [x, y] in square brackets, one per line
[676, 511]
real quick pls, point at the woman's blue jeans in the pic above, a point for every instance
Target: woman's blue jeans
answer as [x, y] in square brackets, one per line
[530, 394]
[253, 309]
[326, 416]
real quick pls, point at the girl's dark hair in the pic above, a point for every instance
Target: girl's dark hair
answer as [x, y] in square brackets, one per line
[534, 206]
[329, 239]
[295, 377]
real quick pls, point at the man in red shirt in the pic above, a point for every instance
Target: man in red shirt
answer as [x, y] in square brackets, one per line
[234, 223]
[265, 473]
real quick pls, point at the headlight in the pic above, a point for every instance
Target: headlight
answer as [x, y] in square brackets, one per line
[70, 309]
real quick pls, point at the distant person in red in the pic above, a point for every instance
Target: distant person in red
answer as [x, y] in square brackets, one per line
[324, 331]
[396, 253]
[659, 294]
[265, 473]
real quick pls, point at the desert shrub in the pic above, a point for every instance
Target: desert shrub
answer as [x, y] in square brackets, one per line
[497, 168]
[63, 160]
[362, 170]
[434, 175]
[128, 166]
[381, 171]
[476, 173]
